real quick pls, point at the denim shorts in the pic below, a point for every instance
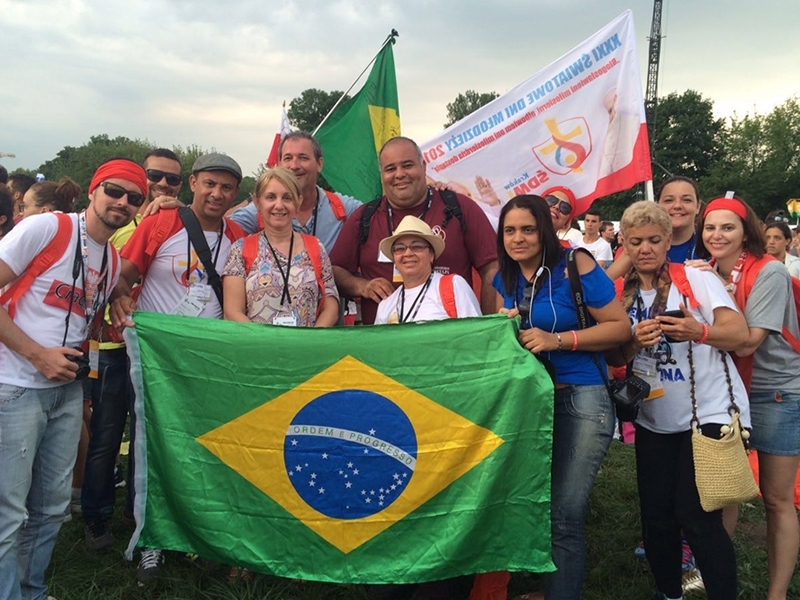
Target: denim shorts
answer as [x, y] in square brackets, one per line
[776, 423]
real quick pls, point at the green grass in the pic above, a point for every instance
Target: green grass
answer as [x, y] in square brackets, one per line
[612, 529]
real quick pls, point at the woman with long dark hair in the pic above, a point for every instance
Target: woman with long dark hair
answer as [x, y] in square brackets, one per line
[532, 279]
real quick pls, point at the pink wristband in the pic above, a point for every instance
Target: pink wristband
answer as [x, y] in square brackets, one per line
[704, 337]
[574, 340]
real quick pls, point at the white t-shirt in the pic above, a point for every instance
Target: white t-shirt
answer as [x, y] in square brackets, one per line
[570, 234]
[600, 249]
[672, 412]
[431, 307]
[792, 265]
[176, 266]
[41, 311]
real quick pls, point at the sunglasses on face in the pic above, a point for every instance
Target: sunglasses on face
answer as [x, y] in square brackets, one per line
[564, 208]
[155, 176]
[416, 247]
[116, 192]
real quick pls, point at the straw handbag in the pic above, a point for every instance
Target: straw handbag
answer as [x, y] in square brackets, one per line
[721, 470]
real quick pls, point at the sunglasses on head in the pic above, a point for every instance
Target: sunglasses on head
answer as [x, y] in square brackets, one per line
[564, 207]
[155, 176]
[116, 192]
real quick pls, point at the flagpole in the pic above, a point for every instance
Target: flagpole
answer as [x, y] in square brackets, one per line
[391, 37]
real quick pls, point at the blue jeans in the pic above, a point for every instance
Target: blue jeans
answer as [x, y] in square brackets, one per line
[583, 424]
[39, 434]
[112, 395]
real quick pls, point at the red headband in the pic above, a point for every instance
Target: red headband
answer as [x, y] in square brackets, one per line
[730, 204]
[120, 169]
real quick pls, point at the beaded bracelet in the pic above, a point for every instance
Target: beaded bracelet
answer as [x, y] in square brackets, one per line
[703, 338]
[558, 336]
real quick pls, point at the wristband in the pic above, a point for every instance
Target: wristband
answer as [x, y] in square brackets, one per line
[703, 338]
[574, 340]
[558, 336]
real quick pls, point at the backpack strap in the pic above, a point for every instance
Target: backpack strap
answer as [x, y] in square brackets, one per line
[366, 220]
[250, 251]
[198, 240]
[677, 273]
[164, 225]
[337, 206]
[452, 208]
[312, 248]
[233, 231]
[49, 255]
[448, 295]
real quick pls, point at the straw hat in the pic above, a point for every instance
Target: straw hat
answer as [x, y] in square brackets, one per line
[416, 227]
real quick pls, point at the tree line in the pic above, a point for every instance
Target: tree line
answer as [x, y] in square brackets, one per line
[757, 156]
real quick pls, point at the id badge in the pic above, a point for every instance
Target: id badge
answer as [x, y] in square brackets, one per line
[190, 306]
[201, 291]
[396, 276]
[646, 367]
[94, 359]
[285, 320]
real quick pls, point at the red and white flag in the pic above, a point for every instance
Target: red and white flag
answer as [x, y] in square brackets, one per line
[283, 130]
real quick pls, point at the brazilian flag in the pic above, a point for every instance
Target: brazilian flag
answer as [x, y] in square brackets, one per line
[380, 454]
[356, 131]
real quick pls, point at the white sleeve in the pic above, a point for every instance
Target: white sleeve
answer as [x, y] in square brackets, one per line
[604, 252]
[794, 268]
[710, 293]
[467, 304]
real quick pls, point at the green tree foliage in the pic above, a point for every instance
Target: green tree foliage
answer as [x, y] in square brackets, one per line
[761, 160]
[687, 136]
[467, 103]
[309, 108]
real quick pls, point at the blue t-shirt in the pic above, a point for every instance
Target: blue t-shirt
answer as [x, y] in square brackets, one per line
[552, 309]
[679, 253]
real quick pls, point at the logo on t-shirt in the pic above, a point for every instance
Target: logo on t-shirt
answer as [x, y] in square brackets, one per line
[60, 294]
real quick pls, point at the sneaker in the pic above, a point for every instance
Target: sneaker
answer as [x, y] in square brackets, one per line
[150, 566]
[692, 581]
[98, 536]
[119, 477]
[687, 558]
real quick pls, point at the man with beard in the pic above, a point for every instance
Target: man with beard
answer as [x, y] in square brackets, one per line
[60, 269]
[111, 393]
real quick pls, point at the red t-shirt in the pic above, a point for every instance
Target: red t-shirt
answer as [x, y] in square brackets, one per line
[463, 250]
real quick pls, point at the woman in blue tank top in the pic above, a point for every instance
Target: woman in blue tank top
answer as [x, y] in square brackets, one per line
[532, 279]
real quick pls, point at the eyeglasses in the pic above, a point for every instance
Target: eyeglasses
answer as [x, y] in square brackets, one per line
[564, 207]
[155, 176]
[117, 191]
[415, 247]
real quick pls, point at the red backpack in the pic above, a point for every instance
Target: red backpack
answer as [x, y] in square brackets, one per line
[250, 252]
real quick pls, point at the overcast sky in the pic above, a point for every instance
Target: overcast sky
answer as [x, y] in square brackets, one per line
[215, 72]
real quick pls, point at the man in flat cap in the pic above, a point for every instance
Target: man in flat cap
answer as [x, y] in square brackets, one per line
[60, 269]
[179, 255]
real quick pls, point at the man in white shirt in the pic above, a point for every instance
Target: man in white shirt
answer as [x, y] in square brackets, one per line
[591, 240]
[60, 268]
[779, 237]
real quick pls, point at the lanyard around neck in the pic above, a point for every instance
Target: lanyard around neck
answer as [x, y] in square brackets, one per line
[390, 213]
[285, 297]
[414, 308]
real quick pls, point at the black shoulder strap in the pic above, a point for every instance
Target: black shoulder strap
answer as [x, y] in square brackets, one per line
[452, 208]
[366, 219]
[577, 299]
[200, 244]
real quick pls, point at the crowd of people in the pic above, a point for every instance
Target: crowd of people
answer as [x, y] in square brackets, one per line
[695, 298]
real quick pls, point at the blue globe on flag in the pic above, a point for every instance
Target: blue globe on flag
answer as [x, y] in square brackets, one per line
[350, 453]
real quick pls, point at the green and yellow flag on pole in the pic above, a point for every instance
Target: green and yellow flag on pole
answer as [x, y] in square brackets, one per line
[356, 130]
[379, 454]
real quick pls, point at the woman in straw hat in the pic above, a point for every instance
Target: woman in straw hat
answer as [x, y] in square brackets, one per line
[425, 295]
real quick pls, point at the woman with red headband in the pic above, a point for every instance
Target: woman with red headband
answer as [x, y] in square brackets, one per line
[732, 237]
